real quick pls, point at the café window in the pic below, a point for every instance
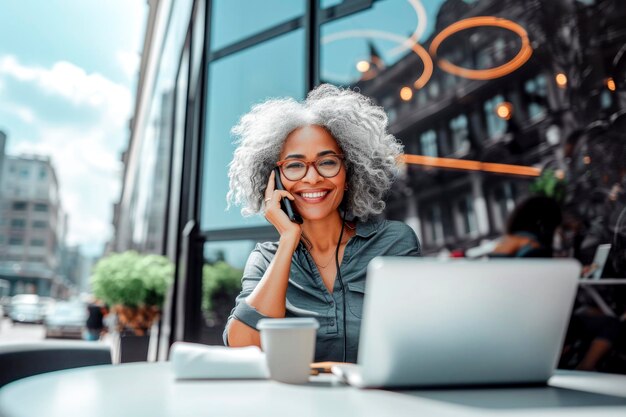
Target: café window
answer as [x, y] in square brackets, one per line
[536, 91]
[460, 134]
[237, 81]
[495, 125]
[606, 100]
[503, 204]
[428, 142]
[41, 207]
[16, 241]
[433, 229]
[466, 216]
[239, 19]
[20, 206]
[18, 223]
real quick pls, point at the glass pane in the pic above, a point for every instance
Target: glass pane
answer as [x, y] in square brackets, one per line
[144, 224]
[429, 143]
[495, 125]
[460, 134]
[360, 46]
[235, 20]
[221, 283]
[274, 68]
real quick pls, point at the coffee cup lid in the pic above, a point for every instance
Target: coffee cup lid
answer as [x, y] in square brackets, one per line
[288, 323]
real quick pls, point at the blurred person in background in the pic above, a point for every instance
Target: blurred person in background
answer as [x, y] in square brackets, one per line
[530, 233]
[530, 229]
[94, 326]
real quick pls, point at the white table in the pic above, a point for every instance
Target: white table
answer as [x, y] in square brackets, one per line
[149, 389]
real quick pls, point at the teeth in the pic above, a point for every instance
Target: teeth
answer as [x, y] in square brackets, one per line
[314, 195]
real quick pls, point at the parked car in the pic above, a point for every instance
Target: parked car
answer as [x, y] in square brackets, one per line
[25, 298]
[25, 308]
[66, 319]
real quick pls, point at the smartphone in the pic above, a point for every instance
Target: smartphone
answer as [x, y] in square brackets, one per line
[285, 204]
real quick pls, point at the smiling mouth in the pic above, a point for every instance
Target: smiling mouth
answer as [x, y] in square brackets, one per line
[313, 197]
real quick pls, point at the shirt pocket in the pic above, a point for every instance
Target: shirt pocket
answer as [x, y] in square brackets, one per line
[354, 298]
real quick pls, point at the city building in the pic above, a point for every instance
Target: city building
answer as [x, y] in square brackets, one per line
[485, 96]
[74, 267]
[516, 118]
[32, 227]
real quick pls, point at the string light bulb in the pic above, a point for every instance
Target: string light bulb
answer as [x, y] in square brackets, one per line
[504, 110]
[610, 84]
[406, 93]
[363, 66]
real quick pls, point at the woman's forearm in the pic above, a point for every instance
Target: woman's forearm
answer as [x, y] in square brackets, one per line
[269, 296]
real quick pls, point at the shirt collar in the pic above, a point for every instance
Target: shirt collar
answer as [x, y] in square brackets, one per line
[368, 228]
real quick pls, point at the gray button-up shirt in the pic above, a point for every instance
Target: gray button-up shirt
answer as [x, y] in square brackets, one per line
[307, 296]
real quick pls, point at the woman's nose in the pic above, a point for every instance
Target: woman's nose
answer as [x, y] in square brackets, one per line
[312, 176]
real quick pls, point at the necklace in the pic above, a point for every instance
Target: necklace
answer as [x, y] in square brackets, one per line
[327, 263]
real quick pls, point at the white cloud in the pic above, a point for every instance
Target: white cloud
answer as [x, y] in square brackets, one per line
[86, 159]
[70, 82]
[129, 62]
[24, 113]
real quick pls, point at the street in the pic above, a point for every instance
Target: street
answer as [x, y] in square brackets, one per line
[28, 333]
[20, 332]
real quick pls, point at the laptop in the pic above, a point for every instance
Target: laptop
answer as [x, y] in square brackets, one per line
[599, 261]
[429, 323]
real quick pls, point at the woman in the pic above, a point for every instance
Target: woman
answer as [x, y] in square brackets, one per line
[336, 162]
[530, 229]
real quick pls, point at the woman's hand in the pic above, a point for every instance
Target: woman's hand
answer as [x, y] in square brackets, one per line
[275, 215]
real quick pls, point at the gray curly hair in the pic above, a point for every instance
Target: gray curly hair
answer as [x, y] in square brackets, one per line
[358, 126]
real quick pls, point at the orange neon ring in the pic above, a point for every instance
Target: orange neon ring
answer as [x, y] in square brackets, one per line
[427, 72]
[485, 74]
[420, 51]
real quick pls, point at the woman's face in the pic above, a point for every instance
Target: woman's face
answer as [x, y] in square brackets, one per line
[308, 143]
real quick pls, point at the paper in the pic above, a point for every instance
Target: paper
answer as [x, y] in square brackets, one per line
[196, 361]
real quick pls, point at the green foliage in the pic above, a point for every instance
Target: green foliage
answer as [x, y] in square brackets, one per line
[549, 185]
[132, 280]
[220, 285]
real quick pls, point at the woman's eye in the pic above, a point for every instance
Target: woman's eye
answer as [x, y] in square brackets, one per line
[328, 162]
[294, 165]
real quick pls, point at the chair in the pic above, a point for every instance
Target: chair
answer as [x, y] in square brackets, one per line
[20, 360]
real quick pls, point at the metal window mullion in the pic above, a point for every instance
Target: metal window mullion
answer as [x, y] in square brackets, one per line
[312, 45]
[266, 35]
[313, 18]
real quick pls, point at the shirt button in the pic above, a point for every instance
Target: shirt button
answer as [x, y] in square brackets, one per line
[331, 302]
[332, 323]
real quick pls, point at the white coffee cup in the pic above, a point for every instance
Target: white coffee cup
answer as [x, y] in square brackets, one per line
[289, 346]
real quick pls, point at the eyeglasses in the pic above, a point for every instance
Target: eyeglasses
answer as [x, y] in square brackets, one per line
[327, 166]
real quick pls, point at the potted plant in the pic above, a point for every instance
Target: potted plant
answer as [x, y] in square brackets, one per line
[550, 184]
[134, 286]
[221, 283]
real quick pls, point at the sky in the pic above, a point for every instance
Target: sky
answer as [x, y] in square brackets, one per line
[68, 73]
